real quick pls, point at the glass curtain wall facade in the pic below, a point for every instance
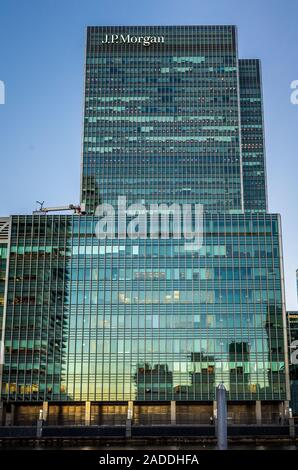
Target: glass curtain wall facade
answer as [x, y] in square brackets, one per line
[162, 121]
[252, 136]
[144, 320]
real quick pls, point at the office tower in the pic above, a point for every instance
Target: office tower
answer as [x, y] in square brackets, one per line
[162, 121]
[146, 324]
[292, 324]
[292, 327]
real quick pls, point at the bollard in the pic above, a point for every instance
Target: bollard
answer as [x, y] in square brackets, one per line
[221, 421]
[39, 424]
[292, 431]
[128, 429]
[128, 422]
[39, 428]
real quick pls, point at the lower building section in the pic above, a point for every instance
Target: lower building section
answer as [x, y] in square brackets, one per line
[148, 320]
[110, 414]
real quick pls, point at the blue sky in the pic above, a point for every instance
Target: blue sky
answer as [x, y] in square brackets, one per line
[42, 62]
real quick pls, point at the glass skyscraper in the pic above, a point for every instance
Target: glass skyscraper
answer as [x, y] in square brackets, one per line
[171, 116]
[162, 122]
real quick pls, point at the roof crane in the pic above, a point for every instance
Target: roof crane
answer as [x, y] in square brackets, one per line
[78, 209]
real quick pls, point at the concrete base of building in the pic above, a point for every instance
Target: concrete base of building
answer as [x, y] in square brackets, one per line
[15, 436]
[141, 413]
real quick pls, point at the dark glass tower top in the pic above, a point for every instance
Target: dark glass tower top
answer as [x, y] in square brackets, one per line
[162, 118]
[252, 136]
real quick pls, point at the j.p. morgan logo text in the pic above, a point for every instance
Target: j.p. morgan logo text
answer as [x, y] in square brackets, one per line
[129, 39]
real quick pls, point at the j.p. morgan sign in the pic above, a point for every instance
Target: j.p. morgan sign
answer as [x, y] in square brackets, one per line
[129, 39]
